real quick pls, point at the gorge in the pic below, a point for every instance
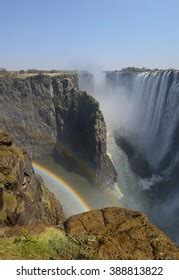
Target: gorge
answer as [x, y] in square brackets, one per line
[63, 129]
[52, 117]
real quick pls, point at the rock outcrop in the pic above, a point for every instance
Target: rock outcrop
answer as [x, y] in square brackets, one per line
[47, 114]
[27, 111]
[24, 199]
[81, 139]
[137, 160]
[118, 233]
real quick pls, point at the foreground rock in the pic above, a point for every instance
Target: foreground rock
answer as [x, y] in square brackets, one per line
[24, 200]
[47, 114]
[117, 233]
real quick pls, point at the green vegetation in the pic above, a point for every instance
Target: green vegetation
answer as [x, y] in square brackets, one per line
[9, 177]
[144, 69]
[135, 69]
[51, 243]
[10, 204]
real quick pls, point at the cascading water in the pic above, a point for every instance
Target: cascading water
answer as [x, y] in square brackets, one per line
[144, 109]
[155, 119]
[127, 181]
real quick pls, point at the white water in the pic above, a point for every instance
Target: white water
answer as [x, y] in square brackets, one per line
[154, 118]
[127, 181]
[127, 187]
[149, 114]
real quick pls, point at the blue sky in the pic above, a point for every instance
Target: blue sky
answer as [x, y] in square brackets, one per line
[70, 34]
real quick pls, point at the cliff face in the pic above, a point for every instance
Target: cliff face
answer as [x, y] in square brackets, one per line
[24, 199]
[28, 112]
[82, 135]
[48, 115]
[137, 160]
[118, 233]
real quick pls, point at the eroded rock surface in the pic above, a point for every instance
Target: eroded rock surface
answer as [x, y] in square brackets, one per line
[27, 111]
[118, 233]
[49, 115]
[24, 199]
[82, 136]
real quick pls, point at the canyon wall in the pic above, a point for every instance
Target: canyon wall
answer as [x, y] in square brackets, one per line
[47, 114]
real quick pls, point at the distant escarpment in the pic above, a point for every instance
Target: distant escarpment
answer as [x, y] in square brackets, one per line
[24, 199]
[118, 233]
[47, 114]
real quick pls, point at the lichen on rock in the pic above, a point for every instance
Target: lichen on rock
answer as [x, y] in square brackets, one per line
[120, 233]
[23, 196]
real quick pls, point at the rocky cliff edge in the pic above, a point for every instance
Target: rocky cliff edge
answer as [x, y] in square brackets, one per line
[49, 115]
[118, 233]
[24, 199]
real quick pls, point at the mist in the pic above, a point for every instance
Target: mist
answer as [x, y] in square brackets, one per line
[114, 103]
[92, 196]
[125, 113]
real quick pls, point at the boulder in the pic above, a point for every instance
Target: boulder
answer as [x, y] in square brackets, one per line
[118, 233]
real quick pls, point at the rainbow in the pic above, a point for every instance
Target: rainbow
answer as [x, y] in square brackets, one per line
[63, 184]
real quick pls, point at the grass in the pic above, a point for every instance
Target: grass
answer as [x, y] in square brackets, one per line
[51, 243]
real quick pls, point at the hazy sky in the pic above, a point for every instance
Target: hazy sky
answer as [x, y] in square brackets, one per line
[109, 34]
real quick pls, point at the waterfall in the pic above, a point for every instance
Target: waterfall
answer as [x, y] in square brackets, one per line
[154, 119]
[144, 110]
[120, 79]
